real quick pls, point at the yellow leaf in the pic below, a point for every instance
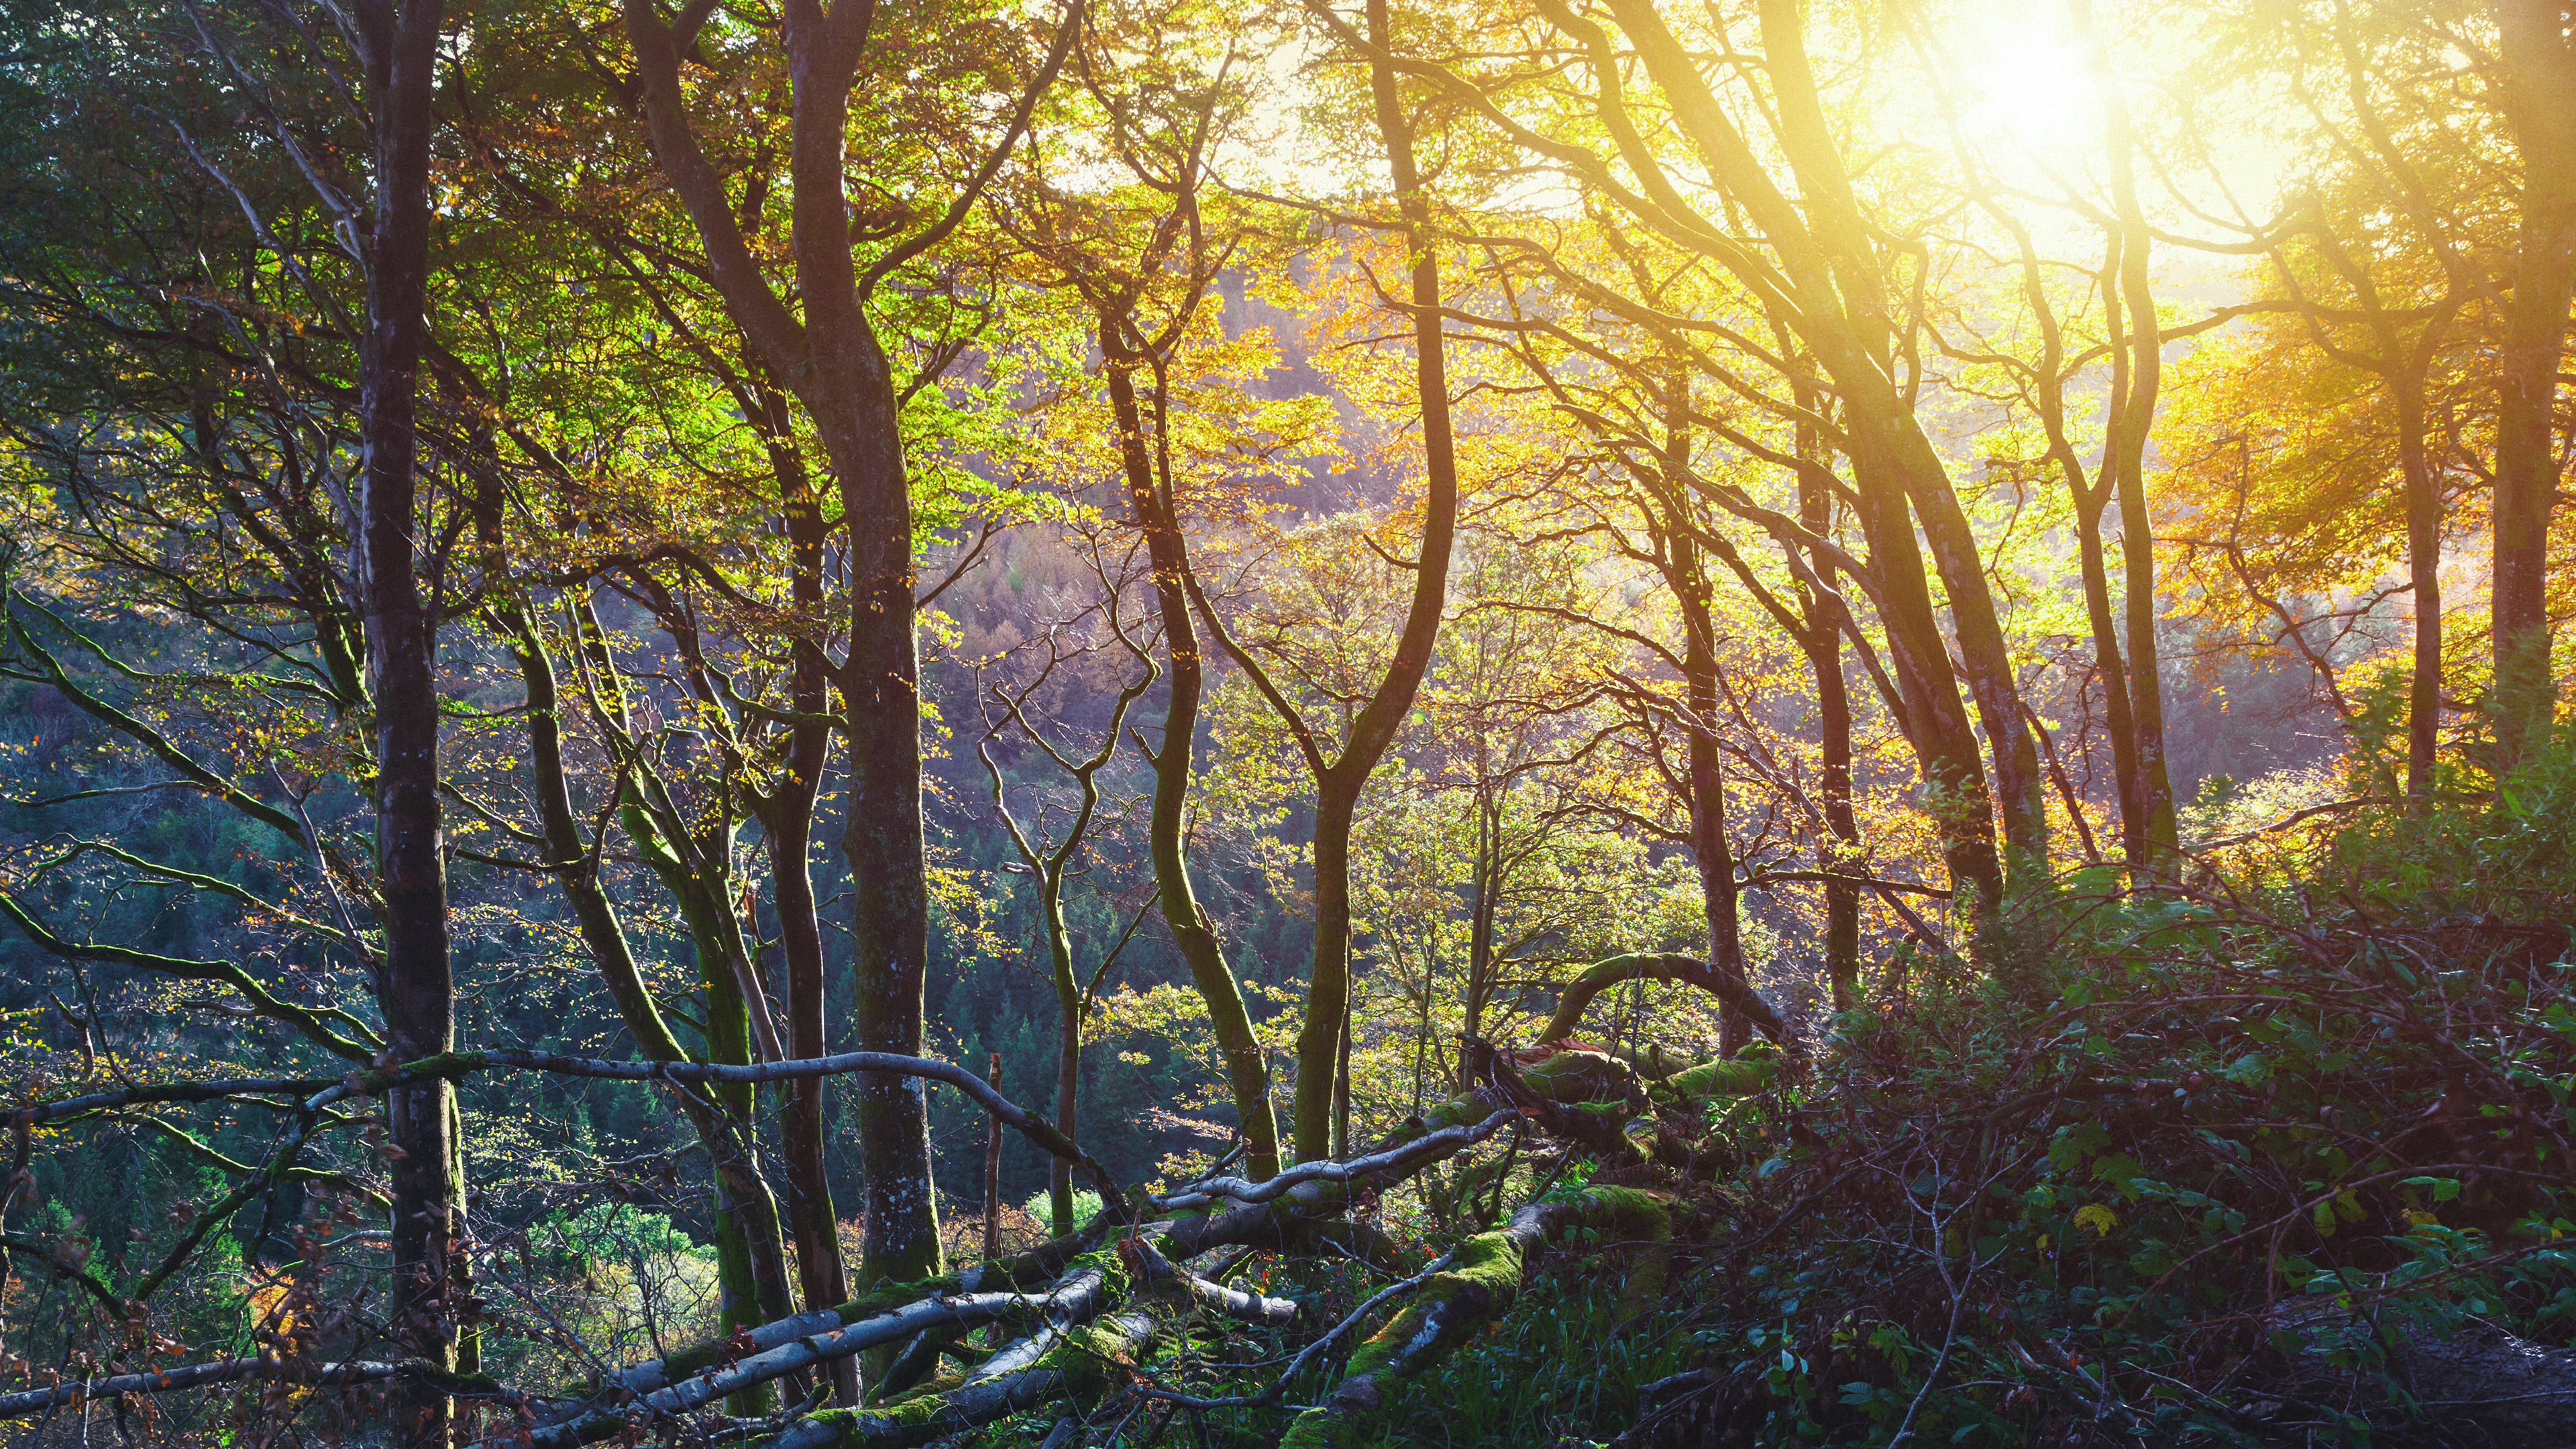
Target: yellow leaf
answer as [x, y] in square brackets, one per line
[2097, 1217]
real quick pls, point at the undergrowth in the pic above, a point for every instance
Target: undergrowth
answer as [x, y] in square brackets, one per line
[2194, 1163]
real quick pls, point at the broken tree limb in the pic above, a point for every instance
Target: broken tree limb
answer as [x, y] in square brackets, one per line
[237, 1370]
[959, 1311]
[320, 1092]
[1033, 1272]
[1419, 1151]
[1213, 1296]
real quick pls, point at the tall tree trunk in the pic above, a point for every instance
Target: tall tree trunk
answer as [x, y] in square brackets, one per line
[787, 824]
[2539, 60]
[1194, 933]
[1897, 456]
[832, 360]
[2147, 809]
[890, 901]
[415, 988]
[1337, 786]
[881, 701]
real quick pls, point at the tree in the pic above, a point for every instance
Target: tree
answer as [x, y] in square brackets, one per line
[1339, 780]
[1142, 258]
[831, 359]
[1052, 842]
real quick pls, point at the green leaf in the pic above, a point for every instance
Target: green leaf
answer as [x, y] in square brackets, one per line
[2120, 1170]
[2443, 1188]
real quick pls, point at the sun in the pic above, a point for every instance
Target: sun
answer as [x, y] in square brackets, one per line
[2030, 86]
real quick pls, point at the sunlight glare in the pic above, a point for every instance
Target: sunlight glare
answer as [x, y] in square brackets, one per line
[2028, 86]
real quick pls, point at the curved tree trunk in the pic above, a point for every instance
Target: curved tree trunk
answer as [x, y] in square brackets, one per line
[751, 1264]
[1194, 933]
[1338, 786]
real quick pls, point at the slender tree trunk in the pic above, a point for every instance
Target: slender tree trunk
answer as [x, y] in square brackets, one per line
[415, 989]
[751, 1265]
[992, 1167]
[1068, 1046]
[1319, 1041]
[2539, 60]
[1482, 881]
[1342, 1086]
[1945, 746]
[1687, 576]
[1831, 270]
[787, 823]
[753, 1277]
[831, 358]
[1985, 657]
[1708, 830]
[2424, 574]
[1891, 456]
[1194, 933]
[2108, 664]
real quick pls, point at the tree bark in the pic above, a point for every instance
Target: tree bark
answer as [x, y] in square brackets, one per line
[2539, 61]
[1823, 645]
[414, 987]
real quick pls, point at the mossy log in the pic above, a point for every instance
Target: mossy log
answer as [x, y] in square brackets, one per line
[1453, 1306]
[1075, 1363]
